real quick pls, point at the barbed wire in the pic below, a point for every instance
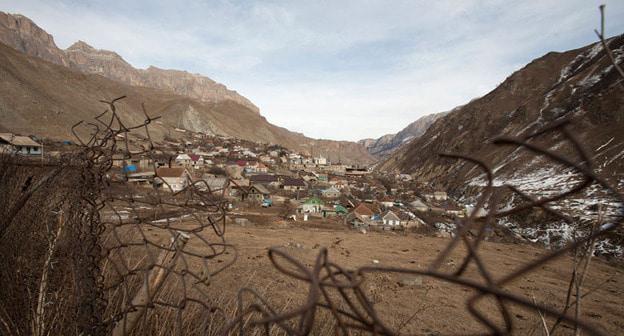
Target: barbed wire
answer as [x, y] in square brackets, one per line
[356, 312]
[118, 259]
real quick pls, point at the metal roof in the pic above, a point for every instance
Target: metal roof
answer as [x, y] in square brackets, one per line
[18, 140]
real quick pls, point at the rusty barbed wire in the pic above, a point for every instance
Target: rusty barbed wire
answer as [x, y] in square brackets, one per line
[112, 234]
[122, 261]
[125, 260]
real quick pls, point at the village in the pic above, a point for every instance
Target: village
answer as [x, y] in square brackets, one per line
[264, 182]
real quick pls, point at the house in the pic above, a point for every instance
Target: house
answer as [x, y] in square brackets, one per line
[118, 159]
[322, 177]
[145, 177]
[173, 179]
[366, 214]
[262, 168]
[251, 167]
[453, 210]
[351, 171]
[293, 184]
[320, 161]
[363, 210]
[419, 206]
[312, 205]
[266, 159]
[308, 177]
[335, 210]
[257, 193]
[249, 153]
[331, 192]
[338, 169]
[184, 160]
[295, 159]
[340, 210]
[339, 183]
[295, 166]
[197, 161]
[440, 196]
[18, 144]
[131, 164]
[387, 202]
[409, 220]
[214, 183]
[264, 179]
[391, 219]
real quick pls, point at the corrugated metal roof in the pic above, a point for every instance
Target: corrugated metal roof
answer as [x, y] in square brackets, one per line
[19, 140]
[261, 189]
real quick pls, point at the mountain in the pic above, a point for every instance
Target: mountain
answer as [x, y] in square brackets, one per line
[385, 145]
[46, 93]
[24, 35]
[579, 85]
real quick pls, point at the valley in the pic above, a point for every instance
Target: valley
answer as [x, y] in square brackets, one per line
[159, 201]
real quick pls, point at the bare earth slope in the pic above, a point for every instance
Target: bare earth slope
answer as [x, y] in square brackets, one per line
[42, 99]
[440, 306]
[579, 84]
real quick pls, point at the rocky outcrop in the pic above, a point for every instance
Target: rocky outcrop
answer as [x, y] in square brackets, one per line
[109, 64]
[24, 35]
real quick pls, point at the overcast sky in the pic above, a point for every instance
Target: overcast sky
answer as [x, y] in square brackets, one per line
[333, 69]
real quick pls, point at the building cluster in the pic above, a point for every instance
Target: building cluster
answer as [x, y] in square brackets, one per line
[263, 175]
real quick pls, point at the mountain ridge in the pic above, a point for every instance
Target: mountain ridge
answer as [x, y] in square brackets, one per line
[579, 85]
[385, 145]
[580, 88]
[196, 101]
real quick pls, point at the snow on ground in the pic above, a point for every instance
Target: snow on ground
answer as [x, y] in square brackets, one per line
[583, 207]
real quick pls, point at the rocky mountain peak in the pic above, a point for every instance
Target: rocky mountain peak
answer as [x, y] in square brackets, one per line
[24, 35]
[80, 46]
[21, 33]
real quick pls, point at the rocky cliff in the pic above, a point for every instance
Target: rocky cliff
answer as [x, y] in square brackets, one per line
[24, 35]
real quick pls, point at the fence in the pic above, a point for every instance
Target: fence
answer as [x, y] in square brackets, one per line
[85, 253]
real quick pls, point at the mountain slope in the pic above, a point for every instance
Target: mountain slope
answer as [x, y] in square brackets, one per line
[45, 99]
[385, 145]
[579, 84]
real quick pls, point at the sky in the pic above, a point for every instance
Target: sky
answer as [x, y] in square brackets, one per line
[343, 70]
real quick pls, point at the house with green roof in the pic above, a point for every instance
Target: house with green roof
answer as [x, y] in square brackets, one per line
[334, 210]
[312, 205]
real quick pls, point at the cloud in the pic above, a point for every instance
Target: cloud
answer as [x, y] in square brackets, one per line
[340, 70]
